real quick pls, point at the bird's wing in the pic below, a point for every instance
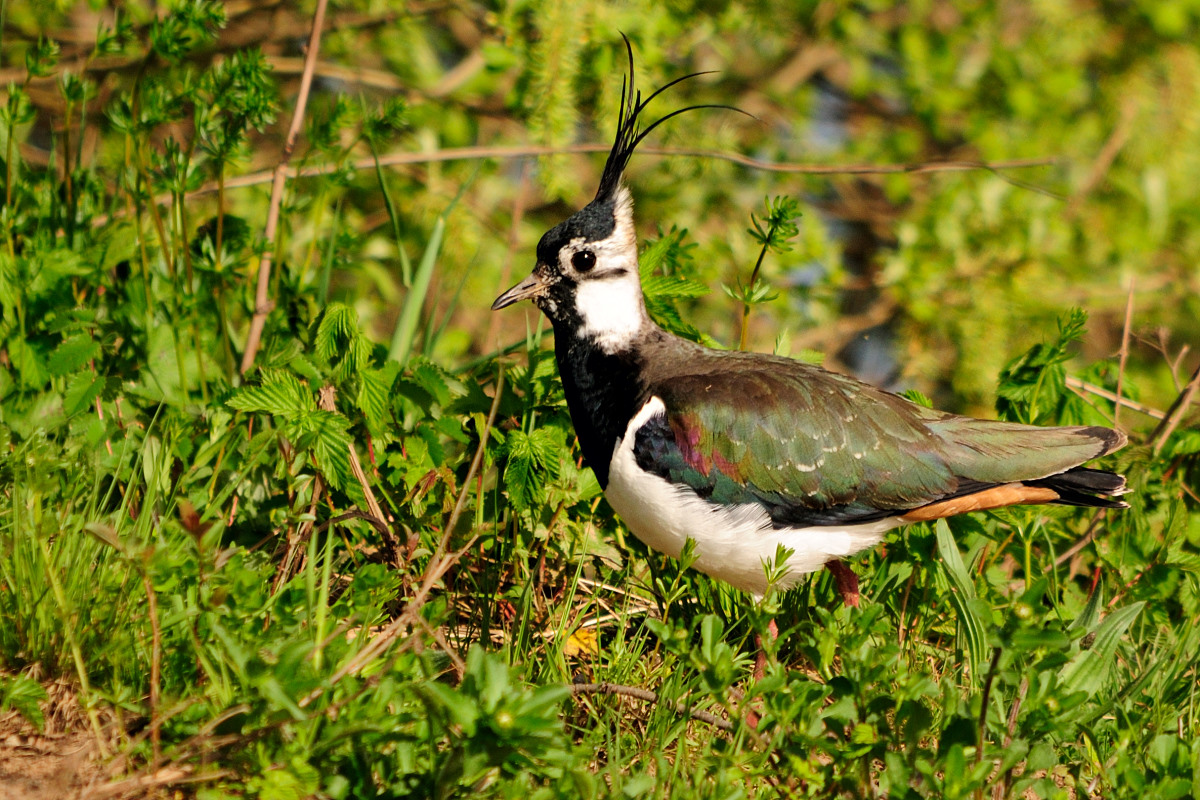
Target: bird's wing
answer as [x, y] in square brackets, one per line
[817, 448]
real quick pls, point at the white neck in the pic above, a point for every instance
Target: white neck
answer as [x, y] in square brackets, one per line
[612, 311]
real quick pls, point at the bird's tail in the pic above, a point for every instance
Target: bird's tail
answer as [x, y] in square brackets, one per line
[1081, 486]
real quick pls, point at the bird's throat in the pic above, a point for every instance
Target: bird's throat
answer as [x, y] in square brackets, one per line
[603, 392]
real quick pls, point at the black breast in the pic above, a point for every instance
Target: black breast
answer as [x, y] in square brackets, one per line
[603, 392]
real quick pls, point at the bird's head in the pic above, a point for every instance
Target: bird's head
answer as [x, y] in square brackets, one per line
[586, 277]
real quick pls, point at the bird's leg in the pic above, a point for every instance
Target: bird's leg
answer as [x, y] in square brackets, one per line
[847, 581]
[760, 661]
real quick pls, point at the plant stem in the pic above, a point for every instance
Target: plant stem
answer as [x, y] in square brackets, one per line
[262, 297]
[745, 335]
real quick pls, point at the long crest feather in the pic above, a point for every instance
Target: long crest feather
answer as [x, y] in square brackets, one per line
[629, 130]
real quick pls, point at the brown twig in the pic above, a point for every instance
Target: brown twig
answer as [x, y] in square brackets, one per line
[1082, 387]
[1124, 354]
[1001, 788]
[439, 564]
[1108, 153]
[528, 151]
[983, 707]
[1175, 413]
[390, 542]
[155, 667]
[262, 298]
[1087, 537]
[650, 697]
[519, 151]
[433, 573]
[476, 461]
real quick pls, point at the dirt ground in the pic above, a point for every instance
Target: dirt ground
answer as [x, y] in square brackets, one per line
[45, 767]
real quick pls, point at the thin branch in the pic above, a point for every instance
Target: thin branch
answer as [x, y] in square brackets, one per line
[984, 701]
[1124, 355]
[1175, 413]
[528, 151]
[650, 697]
[1001, 787]
[1107, 155]
[262, 298]
[1081, 387]
[1089, 534]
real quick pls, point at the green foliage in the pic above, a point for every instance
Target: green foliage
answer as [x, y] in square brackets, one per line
[1032, 386]
[374, 565]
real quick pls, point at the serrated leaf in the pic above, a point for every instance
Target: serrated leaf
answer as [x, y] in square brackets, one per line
[82, 390]
[23, 695]
[671, 287]
[326, 434]
[918, 397]
[374, 392]
[72, 354]
[280, 394]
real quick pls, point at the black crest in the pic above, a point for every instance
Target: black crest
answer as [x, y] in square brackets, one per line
[629, 130]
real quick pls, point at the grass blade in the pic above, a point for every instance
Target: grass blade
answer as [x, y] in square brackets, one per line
[962, 595]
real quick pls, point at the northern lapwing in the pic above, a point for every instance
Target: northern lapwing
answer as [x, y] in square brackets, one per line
[744, 452]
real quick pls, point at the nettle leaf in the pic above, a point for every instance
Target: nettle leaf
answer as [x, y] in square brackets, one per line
[82, 390]
[23, 694]
[326, 433]
[1033, 385]
[374, 391]
[72, 354]
[339, 341]
[533, 460]
[27, 362]
[46, 270]
[439, 384]
[280, 394]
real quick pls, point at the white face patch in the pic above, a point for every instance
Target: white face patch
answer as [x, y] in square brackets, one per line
[608, 297]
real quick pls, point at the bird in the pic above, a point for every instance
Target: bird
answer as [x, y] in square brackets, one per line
[746, 453]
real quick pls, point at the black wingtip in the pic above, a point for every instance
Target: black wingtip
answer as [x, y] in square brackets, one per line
[1111, 439]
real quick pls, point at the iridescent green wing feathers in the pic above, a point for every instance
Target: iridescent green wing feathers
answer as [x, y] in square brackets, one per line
[818, 448]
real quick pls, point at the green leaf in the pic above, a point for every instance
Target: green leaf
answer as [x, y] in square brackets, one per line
[533, 460]
[72, 354]
[327, 434]
[374, 395]
[82, 390]
[280, 394]
[414, 301]
[962, 597]
[22, 694]
[1088, 670]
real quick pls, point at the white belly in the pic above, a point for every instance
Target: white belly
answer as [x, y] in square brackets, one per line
[736, 544]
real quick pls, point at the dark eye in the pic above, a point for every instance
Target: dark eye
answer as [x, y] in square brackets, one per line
[583, 260]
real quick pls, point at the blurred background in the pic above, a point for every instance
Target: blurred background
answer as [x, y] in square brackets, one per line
[966, 171]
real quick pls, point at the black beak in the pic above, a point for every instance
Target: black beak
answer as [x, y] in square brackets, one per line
[531, 287]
